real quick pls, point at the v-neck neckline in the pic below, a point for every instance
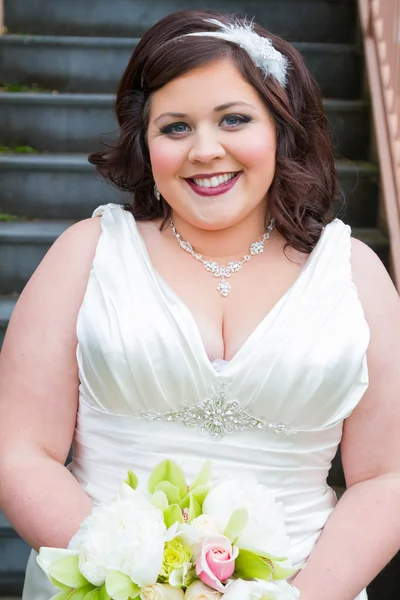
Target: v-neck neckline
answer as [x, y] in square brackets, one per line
[250, 342]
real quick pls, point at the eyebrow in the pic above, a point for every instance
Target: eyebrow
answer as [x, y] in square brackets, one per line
[219, 108]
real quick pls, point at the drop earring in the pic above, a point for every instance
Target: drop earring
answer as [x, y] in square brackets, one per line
[157, 193]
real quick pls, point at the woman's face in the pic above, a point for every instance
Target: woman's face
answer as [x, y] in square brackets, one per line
[212, 146]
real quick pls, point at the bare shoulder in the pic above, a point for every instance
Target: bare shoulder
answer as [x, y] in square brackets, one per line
[38, 366]
[80, 237]
[73, 252]
[370, 437]
[376, 290]
[60, 280]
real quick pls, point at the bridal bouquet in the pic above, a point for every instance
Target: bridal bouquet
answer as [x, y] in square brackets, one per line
[177, 542]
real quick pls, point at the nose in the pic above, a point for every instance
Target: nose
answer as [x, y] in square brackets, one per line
[206, 147]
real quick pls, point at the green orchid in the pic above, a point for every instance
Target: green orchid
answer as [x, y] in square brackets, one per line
[62, 568]
[82, 593]
[132, 480]
[204, 475]
[66, 571]
[160, 501]
[173, 514]
[249, 565]
[237, 522]
[168, 471]
[171, 494]
[171, 491]
[120, 586]
[62, 595]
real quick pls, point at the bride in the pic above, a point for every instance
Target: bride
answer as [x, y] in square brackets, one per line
[227, 271]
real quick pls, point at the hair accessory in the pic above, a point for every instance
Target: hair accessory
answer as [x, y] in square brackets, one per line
[260, 49]
[157, 193]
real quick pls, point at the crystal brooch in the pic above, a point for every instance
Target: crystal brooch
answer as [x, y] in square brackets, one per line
[217, 416]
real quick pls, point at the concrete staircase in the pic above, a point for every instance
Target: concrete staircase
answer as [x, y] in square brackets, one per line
[63, 60]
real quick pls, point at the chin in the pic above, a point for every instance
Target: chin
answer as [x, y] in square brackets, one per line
[215, 222]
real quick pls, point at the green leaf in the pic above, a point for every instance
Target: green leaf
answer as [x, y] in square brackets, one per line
[92, 595]
[120, 586]
[171, 491]
[159, 500]
[200, 492]
[237, 522]
[281, 572]
[194, 508]
[61, 596]
[203, 477]
[80, 593]
[103, 593]
[66, 571]
[168, 470]
[132, 480]
[191, 502]
[48, 556]
[172, 515]
[60, 585]
[250, 566]
[185, 502]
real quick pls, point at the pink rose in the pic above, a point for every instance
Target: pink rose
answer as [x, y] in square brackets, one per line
[216, 562]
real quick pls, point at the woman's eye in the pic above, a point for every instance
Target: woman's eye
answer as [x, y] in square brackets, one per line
[234, 120]
[174, 128]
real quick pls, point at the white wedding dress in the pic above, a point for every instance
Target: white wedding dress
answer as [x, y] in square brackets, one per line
[144, 372]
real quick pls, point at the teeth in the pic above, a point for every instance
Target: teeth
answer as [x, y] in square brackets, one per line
[214, 181]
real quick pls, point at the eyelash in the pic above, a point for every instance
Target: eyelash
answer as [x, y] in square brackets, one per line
[169, 129]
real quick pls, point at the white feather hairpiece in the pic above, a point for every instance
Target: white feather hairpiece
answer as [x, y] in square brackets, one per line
[260, 49]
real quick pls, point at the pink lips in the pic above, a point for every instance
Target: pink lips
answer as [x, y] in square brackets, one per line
[213, 191]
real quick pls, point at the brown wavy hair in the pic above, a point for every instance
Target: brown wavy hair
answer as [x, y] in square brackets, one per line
[304, 187]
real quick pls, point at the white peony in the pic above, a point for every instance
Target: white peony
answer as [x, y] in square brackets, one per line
[260, 590]
[161, 591]
[199, 591]
[125, 535]
[265, 530]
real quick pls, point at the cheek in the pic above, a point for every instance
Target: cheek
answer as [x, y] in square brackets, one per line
[258, 151]
[165, 158]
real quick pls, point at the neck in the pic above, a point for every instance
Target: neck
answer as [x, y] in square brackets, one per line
[230, 243]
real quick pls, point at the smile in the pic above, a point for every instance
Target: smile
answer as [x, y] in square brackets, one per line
[212, 185]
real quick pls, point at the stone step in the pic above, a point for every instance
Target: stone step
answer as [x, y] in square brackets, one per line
[14, 554]
[7, 304]
[298, 20]
[55, 63]
[78, 122]
[53, 186]
[58, 186]
[23, 245]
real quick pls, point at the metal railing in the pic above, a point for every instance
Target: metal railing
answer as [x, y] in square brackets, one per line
[2, 30]
[380, 22]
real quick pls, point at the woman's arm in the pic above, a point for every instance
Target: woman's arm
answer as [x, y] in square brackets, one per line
[363, 532]
[39, 395]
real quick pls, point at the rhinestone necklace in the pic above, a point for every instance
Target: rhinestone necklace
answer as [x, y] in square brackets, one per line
[223, 272]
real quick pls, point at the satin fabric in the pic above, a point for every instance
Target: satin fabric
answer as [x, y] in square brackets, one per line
[139, 349]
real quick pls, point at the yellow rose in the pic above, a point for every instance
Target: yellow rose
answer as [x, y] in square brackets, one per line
[175, 556]
[161, 591]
